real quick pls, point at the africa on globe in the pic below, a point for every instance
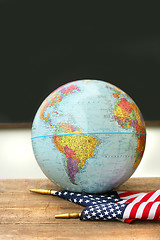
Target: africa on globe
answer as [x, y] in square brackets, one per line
[88, 136]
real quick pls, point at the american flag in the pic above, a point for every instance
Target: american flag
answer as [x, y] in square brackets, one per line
[124, 206]
[88, 199]
[145, 206]
[126, 212]
[140, 197]
[110, 211]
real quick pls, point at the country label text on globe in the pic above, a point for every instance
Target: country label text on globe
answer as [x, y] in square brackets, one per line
[88, 136]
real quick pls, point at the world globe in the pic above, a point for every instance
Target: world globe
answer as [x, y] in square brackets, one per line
[88, 136]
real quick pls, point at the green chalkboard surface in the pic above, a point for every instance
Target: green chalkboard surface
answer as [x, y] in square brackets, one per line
[45, 44]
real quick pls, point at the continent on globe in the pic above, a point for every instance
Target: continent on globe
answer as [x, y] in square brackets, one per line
[77, 148]
[54, 98]
[128, 115]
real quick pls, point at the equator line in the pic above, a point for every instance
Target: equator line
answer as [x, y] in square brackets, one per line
[107, 133]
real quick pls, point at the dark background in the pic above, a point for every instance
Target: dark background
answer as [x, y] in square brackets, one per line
[44, 44]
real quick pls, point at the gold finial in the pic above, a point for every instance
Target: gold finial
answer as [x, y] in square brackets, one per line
[43, 191]
[68, 215]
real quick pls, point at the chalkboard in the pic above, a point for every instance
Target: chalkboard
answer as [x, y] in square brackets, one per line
[45, 44]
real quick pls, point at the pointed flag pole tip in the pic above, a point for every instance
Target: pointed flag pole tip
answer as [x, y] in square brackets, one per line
[42, 191]
[68, 215]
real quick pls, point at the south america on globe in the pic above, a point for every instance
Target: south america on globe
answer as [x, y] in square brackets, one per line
[88, 136]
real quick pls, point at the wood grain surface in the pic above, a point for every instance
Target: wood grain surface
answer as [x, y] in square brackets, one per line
[26, 215]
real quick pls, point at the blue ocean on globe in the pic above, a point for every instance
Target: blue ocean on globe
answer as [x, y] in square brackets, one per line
[88, 136]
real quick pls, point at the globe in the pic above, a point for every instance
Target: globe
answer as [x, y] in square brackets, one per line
[88, 136]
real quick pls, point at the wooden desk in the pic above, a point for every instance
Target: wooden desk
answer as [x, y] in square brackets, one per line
[25, 215]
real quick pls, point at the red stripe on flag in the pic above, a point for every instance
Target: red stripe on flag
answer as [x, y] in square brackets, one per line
[157, 199]
[126, 194]
[157, 214]
[146, 197]
[134, 210]
[130, 200]
[146, 210]
[129, 220]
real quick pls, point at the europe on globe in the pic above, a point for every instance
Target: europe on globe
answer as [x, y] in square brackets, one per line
[88, 136]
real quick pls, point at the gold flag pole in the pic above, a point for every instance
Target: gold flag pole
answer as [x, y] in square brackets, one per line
[53, 192]
[68, 215]
[43, 191]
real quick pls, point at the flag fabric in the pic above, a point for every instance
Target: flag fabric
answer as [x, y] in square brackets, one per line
[145, 206]
[126, 212]
[88, 199]
[123, 206]
[110, 211]
[140, 197]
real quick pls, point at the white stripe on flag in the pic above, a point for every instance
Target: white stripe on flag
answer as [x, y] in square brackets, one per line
[140, 210]
[127, 211]
[139, 198]
[154, 196]
[119, 192]
[153, 210]
[131, 196]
